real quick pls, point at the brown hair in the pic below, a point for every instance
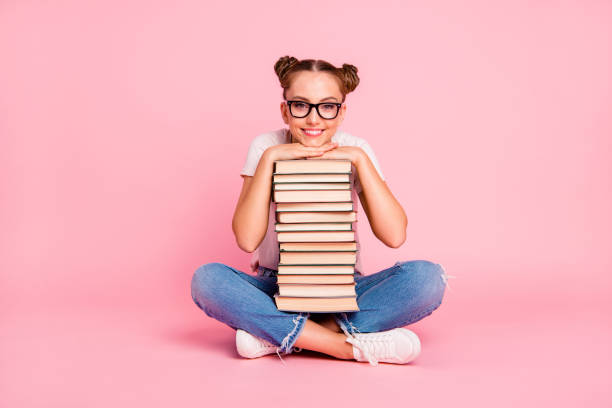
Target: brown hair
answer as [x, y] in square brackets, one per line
[286, 66]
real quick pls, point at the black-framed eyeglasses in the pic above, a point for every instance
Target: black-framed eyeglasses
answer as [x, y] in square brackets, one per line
[326, 110]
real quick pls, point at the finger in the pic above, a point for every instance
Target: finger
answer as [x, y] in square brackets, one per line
[309, 154]
[323, 148]
[314, 153]
[313, 148]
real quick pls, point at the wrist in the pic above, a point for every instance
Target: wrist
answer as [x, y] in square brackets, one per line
[359, 157]
[267, 159]
[268, 155]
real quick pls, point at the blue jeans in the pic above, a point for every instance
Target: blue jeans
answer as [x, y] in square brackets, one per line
[394, 297]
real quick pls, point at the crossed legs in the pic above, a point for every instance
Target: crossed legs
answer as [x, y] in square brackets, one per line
[394, 297]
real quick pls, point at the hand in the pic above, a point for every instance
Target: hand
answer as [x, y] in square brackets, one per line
[352, 153]
[291, 151]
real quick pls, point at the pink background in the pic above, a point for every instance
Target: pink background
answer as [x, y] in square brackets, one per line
[124, 126]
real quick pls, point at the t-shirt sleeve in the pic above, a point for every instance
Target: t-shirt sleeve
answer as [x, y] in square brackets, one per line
[254, 153]
[365, 146]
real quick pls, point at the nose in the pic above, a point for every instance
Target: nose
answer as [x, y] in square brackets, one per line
[313, 117]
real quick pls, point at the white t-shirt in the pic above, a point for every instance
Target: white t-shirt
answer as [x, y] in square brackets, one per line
[267, 254]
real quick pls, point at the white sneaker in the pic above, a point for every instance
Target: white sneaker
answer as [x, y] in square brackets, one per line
[250, 346]
[399, 346]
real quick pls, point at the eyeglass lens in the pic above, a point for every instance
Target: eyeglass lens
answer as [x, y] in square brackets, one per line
[302, 109]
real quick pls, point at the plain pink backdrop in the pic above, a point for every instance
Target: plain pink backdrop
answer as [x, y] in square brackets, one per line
[124, 126]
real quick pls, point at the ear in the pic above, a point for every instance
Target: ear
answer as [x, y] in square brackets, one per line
[341, 114]
[284, 113]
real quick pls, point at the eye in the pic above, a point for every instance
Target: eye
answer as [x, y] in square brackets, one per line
[300, 105]
[328, 107]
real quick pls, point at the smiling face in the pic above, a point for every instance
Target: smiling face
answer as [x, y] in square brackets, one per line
[313, 87]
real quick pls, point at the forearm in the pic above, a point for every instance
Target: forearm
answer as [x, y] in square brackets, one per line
[385, 214]
[250, 220]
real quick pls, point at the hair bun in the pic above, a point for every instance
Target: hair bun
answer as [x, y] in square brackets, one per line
[283, 64]
[351, 79]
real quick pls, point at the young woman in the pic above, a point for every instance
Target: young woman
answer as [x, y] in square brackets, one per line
[314, 93]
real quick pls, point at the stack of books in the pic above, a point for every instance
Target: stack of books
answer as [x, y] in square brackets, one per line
[314, 225]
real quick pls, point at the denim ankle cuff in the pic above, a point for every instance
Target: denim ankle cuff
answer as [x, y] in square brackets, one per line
[289, 340]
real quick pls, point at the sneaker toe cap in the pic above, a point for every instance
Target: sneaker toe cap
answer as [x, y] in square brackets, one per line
[410, 346]
[249, 346]
[246, 345]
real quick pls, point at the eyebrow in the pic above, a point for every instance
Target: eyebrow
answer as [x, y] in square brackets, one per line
[307, 100]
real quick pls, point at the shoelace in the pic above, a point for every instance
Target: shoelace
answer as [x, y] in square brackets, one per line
[380, 344]
[277, 349]
[365, 349]
[279, 356]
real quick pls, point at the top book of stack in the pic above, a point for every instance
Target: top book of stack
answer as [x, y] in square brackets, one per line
[313, 166]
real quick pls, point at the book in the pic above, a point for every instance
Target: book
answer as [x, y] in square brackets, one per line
[317, 258]
[313, 305]
[304, 290]
[311, 178]
[316, 236]
[311, 186]
[318, 246]
[314, 207]
[312, 196]
[320, 216]
[312, 166]
[316, 270]
[315, 279]
[324, 226]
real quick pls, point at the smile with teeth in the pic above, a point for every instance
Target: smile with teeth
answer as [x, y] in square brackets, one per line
[313, 132]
